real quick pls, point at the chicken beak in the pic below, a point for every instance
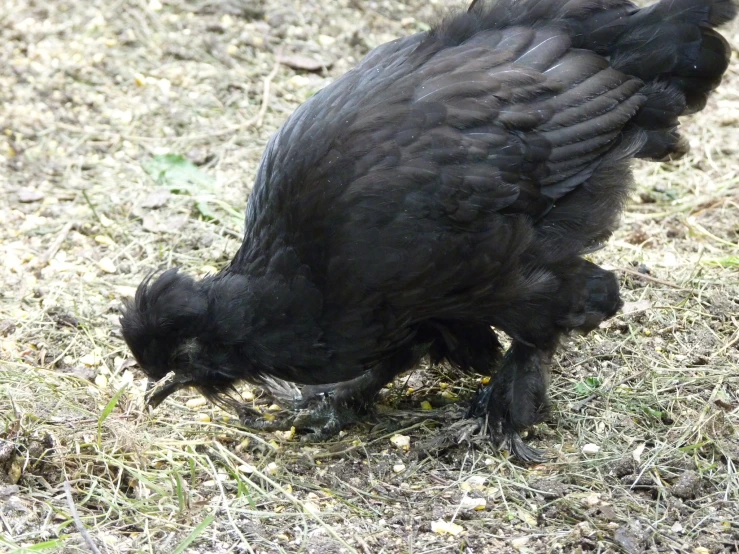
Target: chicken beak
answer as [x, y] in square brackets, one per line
[157, 391]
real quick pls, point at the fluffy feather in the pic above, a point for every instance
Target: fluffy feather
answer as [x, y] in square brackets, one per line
[448, 184]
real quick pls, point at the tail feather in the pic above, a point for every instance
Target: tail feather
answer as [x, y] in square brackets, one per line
[673, 48]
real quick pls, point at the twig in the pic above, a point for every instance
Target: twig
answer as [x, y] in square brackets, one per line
[363, 544]
[255, 121]
[226, 506]
[55, 246]
[731, 342]
[337, 453]
[652, 279]
[580, 405]
[5, 522]
[76, 517]
[225, 453]
[265, 95]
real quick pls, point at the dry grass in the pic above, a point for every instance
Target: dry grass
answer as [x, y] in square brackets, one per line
[93, 91]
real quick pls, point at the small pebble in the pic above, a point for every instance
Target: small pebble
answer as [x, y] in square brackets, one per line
[107, 265]
[401, 441]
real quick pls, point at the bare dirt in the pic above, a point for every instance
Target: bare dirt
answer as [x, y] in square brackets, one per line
[644, 430]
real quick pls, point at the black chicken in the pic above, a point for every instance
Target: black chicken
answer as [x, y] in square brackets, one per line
[449, 184]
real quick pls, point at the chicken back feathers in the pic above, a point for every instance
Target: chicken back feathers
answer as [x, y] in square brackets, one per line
[448, 183]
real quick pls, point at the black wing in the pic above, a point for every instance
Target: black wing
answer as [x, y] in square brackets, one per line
[409, 188]
[424, 134]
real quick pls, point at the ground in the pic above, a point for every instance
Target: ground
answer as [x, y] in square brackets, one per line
[130, 135]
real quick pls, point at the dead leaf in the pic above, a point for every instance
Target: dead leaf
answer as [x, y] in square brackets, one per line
[469, 503]
[638, 306]
[27, 196]
[156, 199]
[152, 224]
[636, 454]
[303, 63]
[627, 540]
[442, 527]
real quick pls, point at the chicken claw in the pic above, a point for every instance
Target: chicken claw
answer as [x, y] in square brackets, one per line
[319, 414]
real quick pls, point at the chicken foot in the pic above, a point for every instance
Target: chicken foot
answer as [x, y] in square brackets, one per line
[515, 400]
[320, 415]
[323, 410]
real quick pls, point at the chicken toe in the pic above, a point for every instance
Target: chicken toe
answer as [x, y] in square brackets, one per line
[317, 418]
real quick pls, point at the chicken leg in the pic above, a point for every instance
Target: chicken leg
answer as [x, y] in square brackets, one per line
[324, 410]
[515, 400]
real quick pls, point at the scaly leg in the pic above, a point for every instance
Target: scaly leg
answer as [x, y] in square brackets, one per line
[515, 400]
[517, 397]
[324, 410]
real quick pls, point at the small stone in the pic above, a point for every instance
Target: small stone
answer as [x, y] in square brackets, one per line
[325, 40]
[105, 240]
[90, 360]
[107, 265]
[687, 486]
[590, 448]
[402, 442]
